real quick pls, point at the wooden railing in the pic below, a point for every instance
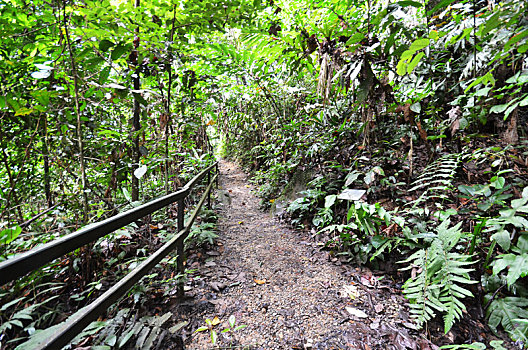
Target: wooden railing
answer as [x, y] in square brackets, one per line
[63, 333]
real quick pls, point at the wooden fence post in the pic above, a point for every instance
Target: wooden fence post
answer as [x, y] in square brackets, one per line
[180, 249]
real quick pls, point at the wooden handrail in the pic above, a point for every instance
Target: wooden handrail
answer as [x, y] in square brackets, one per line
[63, 333]
[23, 263]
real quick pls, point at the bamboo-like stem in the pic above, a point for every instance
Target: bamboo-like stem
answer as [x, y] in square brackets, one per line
[79, 124]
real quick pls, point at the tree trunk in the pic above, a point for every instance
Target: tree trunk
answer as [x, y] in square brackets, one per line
[167, 107]
[84, 183]
[510, 135]
[45, 156]
[136, 118]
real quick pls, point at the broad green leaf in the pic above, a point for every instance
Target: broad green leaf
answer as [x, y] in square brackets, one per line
[10, 234]
[497, 182]
[356, 38]
[415, 62]
[483, 92]
[330, 200]
[405, 3]
[214, 337]
[407, 54]
[518, 268]
[499, 108]
[515, 39]
[440, 5]
[502, 237]
[103, 76]
[491, 23]
[416, 107]
[140, 99]
[401, 69]
[510, 110]
[42, 96]
[105, 44]
[419, 44]
[433, 34]
[24, 111]
[232, 321]
[118, 51]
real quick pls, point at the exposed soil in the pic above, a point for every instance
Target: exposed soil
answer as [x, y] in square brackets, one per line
[289, 293]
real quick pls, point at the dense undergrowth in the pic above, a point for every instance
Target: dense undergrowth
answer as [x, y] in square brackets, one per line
[420, 106]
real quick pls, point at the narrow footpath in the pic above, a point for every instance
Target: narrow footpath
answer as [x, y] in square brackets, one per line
[287, 291]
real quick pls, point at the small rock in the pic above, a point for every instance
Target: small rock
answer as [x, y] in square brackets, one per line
[217, 286]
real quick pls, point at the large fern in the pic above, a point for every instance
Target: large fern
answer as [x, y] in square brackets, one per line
[437, 178]
[441, 273]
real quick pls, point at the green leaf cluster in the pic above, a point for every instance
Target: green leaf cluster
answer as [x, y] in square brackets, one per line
[441, 277]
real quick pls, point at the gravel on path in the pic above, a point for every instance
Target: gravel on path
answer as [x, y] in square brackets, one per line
[287, 291]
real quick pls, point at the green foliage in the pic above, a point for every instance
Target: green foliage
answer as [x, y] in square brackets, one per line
[201, 234]
[228, 332]
[361, 238]
[511, 314]
[495, 344]
[511, 220]
[436, 179]
[516, 262]
[441, 276]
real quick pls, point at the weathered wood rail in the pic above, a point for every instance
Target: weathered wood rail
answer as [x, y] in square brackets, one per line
[63, 333]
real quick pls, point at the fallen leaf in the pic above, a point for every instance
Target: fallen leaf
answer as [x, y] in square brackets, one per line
[356, 312]
[379, 308]
[260, 281]
[463, 200]
[350, 291]
[215, 321]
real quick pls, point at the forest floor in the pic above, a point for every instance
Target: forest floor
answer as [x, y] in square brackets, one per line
[286, 291]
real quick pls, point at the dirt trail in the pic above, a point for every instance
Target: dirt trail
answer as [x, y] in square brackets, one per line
[286, 290]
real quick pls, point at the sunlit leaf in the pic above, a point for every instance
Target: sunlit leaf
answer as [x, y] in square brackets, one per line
[139, 172]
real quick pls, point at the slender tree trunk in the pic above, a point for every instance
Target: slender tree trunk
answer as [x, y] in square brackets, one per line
[12, 182]
[79, 124]
[167, 107]
[136, 118]
[45, 156]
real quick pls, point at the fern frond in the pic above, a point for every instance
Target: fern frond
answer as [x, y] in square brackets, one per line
[438, 288]
[436, 178]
